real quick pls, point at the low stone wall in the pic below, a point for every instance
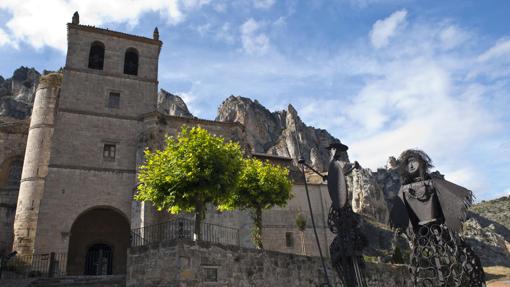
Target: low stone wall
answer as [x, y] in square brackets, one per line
[193, 264]
[88, 281]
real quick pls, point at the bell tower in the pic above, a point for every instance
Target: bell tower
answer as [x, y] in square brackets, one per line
[84, 140]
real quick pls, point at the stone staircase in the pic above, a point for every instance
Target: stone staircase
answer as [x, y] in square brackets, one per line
[88, 281]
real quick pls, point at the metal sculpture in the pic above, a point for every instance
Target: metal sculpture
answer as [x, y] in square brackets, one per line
[349, 242]
[429, 212]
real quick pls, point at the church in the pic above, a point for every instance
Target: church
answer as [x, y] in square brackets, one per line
[89, 127]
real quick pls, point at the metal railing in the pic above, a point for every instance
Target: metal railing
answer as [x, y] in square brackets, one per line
[37, 265]
[182, 228]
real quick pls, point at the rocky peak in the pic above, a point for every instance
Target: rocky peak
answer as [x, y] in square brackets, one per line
[173, 105]
[281, 133]
[263, 127]
[24, 83]
[17, 93]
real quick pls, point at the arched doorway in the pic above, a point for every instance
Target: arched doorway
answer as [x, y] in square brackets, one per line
[98, 243]
[99, 260]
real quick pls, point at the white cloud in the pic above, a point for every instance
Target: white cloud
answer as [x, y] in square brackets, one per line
[280, 22]
[220, 7]
[263, 4]
[225, 34]
[190, 100]
[383, 30]
[203, 29]
[4, 38]
[416, 94]
[452, 36]
[253, 41]
[500, 49]
[40, 23]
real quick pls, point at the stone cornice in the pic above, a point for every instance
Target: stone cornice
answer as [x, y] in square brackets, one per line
[114, 75]
[97, 114]
[115, 34]
[190, 120]
[89, 168]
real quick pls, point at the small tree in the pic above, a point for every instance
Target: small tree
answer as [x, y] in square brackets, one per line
[261, 186]
[301, 225]
[193, 170]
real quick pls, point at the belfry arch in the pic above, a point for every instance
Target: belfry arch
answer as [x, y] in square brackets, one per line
[98, 243]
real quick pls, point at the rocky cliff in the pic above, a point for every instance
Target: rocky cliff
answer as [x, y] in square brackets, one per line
[17, 93]
[173, 105]
[281, 133]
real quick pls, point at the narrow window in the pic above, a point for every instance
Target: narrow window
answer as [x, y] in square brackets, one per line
[131, 62]
[114, 100]
[96, 56]
[289, 239]
[109, 151]
[211, 274]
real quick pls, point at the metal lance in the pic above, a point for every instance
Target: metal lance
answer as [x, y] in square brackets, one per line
[347, 247]
[303, 164]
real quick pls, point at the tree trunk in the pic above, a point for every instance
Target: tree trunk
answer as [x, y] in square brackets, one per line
[257, 228]
[199, 216]
[303, 248]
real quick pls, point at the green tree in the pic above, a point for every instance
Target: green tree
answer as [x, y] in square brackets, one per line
[261, 186]
[301, 225]
[195, 168]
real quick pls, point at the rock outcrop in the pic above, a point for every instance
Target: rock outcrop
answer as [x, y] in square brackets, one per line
[491, 247]
[367, 195]
[173, 105]
[280, 133]
[17, 93]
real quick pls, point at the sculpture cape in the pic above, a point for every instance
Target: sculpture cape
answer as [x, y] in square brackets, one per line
[454, 201]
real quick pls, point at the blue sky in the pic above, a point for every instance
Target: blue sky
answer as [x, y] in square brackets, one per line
[381, 75]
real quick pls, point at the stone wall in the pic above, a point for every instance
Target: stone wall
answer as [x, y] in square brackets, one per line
[13, 137]
[190, 264]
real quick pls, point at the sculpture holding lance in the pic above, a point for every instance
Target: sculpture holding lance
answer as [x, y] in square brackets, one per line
[349, 242]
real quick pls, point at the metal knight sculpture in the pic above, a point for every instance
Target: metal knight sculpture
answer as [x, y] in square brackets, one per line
[347, 246]
[429, 211]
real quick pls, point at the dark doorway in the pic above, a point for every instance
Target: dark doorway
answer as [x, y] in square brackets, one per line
[98, 243]
[99, 260]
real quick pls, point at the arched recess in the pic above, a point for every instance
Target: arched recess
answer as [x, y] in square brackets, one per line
[131, 62]
[98, 243]
[96, 56]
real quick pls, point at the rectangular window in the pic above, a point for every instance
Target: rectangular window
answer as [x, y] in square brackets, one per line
[114, 100]
[211, 274]
[109, 151]
[289, 239]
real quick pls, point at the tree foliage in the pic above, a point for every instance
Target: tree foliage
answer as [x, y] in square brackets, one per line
[261, 186]
[301, 222]
[195, 168]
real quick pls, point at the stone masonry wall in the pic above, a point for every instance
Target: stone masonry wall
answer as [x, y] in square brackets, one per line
[13, 138]
[190, 264]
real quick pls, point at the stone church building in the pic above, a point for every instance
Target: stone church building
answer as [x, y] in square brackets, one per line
[85, 139]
